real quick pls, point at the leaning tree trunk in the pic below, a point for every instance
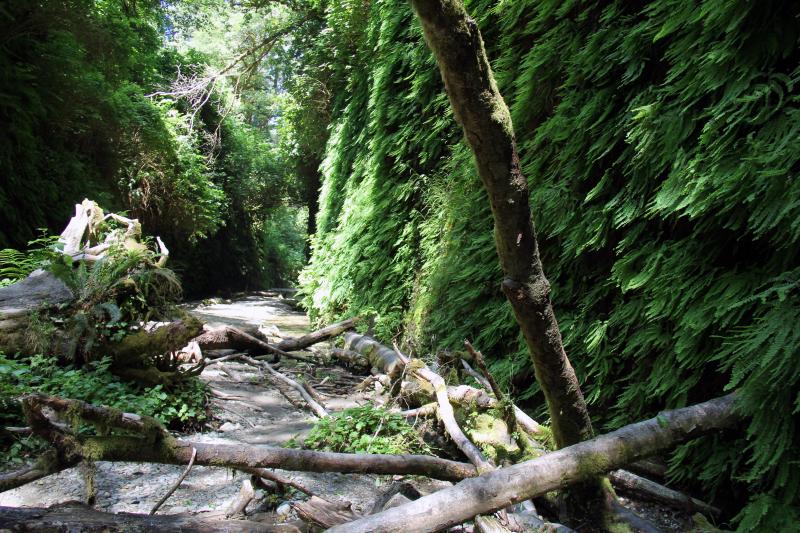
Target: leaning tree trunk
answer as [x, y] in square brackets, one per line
[456, 42]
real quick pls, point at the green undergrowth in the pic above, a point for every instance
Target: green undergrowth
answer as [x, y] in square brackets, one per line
[182, 406]
[366, 429]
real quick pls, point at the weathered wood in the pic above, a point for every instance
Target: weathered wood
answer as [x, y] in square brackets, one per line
[78, 518]
[449, 420]
[245, 496]
[350, 358]
[229, 337]
[324, 513]
[379, 356]
[328, 332]
[489, 524]
[503, 487]
[629, 483]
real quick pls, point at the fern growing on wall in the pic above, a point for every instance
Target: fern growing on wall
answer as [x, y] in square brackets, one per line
[661, 141]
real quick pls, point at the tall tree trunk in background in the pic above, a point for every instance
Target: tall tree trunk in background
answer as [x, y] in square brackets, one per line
[458, 47]
[309, 173]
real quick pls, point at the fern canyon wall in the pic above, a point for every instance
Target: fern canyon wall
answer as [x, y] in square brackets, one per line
[661, 141]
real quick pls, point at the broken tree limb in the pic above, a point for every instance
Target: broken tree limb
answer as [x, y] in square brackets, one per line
[328, 332]
[280, 480]
[44, 466]
[230, 337]
[80, 518]
[500, 488]
[627, 482]
[379, 356]
[175, 486]
[325, 513]
[449, 420]
[243, 499]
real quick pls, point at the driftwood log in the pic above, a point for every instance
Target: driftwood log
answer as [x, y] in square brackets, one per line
[224, 337]
[506, 486]
[79, 518]
[328, 332]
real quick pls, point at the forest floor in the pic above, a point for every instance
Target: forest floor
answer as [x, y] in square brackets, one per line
[247, 408]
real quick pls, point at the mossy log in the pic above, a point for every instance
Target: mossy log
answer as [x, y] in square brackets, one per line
[39, 292]
[153, 444]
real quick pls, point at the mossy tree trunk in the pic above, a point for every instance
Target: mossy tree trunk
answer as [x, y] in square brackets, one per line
[458, 47]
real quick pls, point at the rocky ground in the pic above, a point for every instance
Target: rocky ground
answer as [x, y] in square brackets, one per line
[246, 408]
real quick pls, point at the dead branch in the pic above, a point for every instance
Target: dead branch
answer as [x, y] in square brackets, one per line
[318, 409]
[176, 484]
[230, 337]
[503, 487]
[324, 513]
[630, 483]
[280, 480]
[245, 496]
[449, 420]
[76, 517]
[295, 344]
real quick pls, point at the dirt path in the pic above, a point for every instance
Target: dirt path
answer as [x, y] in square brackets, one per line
[246, 408]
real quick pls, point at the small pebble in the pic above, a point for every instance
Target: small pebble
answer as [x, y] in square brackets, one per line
[284, 510]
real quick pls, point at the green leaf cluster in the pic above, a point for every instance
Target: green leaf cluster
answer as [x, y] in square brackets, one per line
[366, 429]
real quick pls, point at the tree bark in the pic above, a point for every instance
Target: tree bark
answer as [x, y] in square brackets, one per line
[155, 445]
[78, 518]
[506, 486]
[294, 344]
[457, 44]
[230, 337]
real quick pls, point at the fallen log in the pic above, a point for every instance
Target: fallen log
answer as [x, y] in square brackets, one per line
[500, 488]
[629, 483]
[324, 513]
[449, 420]
[350, 359]
[226, 337]
[79, 518]
[155, 445]
[379, 356]
[328, 332]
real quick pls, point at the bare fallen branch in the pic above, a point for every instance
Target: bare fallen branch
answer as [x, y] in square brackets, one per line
[630, 483]
[177, 484]
[79, 517]
[318, 409]
[328, 332]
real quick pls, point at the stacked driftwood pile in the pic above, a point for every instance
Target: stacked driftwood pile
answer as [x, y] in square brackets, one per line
[496, 497]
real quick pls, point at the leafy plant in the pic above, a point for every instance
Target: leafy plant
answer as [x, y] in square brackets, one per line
[366, 429]
[181, 406]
